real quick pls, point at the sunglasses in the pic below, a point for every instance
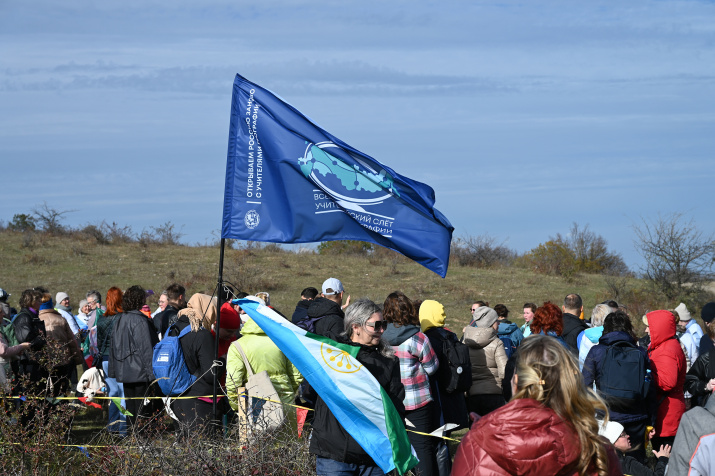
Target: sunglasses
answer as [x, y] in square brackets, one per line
[377, 325]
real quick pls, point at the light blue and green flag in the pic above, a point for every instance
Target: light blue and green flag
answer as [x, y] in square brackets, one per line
[351, 392]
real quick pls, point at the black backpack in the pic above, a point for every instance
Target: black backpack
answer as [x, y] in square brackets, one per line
[456, 371]
[622, 381]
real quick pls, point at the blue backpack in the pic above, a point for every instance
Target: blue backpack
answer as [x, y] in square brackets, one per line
[169, 365]
[509, 346]
[623, 380]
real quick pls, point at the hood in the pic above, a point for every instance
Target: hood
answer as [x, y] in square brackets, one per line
[321, 306]
[479, 337]
[662, 327]
[397, 335]
[250, 327]
[506, 328]
[593, 333]
[431, 315]
[524, 434]
[484, 317]
[613, 337]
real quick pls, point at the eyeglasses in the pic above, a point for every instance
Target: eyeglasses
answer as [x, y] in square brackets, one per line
[377, 325]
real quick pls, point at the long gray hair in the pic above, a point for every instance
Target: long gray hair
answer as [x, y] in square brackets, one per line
[358, 313]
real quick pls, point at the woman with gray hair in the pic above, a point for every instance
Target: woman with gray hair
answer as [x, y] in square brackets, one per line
[589, 337]
[336, 451]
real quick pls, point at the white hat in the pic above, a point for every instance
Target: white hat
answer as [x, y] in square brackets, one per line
[683, 312]
[611, 430]
[332, 286]
[61, 297]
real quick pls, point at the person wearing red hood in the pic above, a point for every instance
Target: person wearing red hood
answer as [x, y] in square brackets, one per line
[667, 364]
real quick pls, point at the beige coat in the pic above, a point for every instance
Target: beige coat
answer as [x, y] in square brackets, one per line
[58, 331]
[486, 352]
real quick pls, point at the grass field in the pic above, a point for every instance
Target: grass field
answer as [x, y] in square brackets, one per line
[79, 265]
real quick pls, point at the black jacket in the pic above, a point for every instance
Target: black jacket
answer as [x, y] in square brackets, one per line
[301, 311]
[572, 328]
[132, 349]
[453, 406]
[330, 440]
[199, 351]
[699, 375]
[331, 325]
[29, 328]
[165, 318]
[632, 467]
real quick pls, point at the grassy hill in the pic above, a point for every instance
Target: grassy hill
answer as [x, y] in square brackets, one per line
[77, 263]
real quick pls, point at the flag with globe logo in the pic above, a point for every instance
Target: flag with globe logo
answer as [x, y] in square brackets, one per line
[290, 181]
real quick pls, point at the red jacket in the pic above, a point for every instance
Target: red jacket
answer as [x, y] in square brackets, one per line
[667, 365]
[523, 437]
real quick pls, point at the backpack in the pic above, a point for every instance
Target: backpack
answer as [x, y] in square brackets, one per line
[308, 323]
[509, 346]
[169, 365]
[8, 332]
[622, 379]
[456, 376]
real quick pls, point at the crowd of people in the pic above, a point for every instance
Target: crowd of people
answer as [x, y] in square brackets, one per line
[565, 393]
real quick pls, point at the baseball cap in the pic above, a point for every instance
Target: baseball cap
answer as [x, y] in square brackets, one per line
[332, 286]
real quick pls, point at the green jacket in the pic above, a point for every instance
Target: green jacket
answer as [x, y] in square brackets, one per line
[262, 354]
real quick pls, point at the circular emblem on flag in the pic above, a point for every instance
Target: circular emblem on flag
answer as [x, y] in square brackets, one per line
[355, 184]
[339, 360]
[251, 219]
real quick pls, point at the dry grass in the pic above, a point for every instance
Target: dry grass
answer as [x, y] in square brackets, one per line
[79, 265]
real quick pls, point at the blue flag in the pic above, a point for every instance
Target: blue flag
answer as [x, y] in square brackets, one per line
[289, 181]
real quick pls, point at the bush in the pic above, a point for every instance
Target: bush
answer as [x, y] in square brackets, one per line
[22, 222]
[482, 251]
[350, 247]
[581, 251]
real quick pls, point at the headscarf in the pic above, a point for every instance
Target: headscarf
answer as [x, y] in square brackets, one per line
[205, 307]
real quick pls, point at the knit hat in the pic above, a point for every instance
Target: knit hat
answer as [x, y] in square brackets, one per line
[431, 315]
[708, 312]
[4, 294]
[683, 312]
[47, 305]
[611, 430]
[332, 286]
[229, 317]
[484, 316]
[61, 297]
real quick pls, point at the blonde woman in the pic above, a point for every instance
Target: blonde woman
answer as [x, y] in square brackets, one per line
[549, 426]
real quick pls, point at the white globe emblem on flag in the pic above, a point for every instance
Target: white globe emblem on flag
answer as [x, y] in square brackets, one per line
[352, 186]
[252, 219]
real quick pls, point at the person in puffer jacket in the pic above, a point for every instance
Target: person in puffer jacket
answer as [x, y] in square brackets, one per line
[486, 352]
[634, 415]
[507, 328]
[548, 428]
[667, 364]
[417, 363]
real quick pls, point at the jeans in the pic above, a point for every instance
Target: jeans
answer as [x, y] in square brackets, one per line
[330, 467]
[117, 421]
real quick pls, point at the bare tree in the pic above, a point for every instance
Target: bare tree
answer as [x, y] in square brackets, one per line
[50, 219]
[678, 256]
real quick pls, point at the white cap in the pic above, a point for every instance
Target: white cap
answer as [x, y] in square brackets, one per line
[332, 286]
[683, 312]
[611, 430]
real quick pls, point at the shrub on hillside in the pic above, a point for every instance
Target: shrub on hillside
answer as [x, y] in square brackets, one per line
[22, 222]
[350, 247]
[581, 251]
[481, 251]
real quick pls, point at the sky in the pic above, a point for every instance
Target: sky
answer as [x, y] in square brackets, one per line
[524, 117]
